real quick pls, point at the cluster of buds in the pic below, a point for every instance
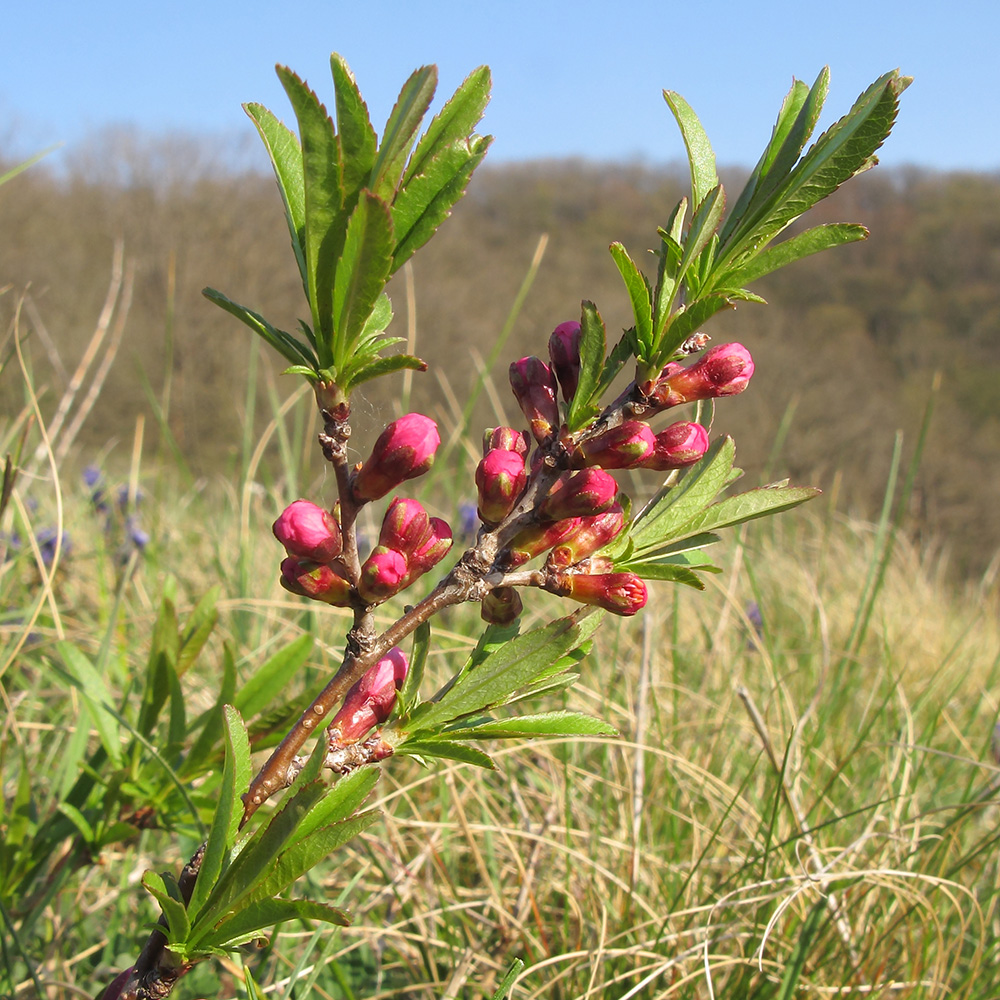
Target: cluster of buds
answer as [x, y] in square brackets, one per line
[501, 475]
[311, 537]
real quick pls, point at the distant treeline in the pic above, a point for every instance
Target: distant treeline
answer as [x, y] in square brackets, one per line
[847, 351]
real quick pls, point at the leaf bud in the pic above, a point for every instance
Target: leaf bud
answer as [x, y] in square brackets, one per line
[564, 353]
[579, 494]
[318, 581]
[680, 444]
[309, 532]
[501, 606]
[500, 479]
[404, 450]
[369, 703]
[534, 387]
[621, 447]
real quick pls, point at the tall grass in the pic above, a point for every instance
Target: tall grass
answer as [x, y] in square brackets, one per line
[796, 806]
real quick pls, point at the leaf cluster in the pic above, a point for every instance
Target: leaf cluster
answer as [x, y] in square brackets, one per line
[358, 208]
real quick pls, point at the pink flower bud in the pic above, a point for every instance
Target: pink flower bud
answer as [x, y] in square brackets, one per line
[315, 580]
[501, 478]
[382, 575]
[564, 352]
[535, 539]
[723, 371]
[621, 447]
[579, 494]
[369, 703]
[309, 532]
[501, 606]
[405, 449]
[405, 526]
[591, 534]
[619, 593]
[507, 439]
[534, 388]
[680, 444]
[431, 551]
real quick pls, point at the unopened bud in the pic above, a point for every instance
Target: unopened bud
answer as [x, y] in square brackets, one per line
[431, 551]
[507, 439]
[369, 703]
[619, 593]
[679, 445]
[590, 534]
[722, 371]
[579, 494]
[405, 525]
[501, 606]
[309, 532]
[382, 575]
[404, 450]
[621, 447]
[535, 539]
[318, 581]
[500, 478]
[534, 387]
[564, 353]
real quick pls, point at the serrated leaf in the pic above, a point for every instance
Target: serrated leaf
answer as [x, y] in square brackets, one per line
[362, 272]
[400, 130]
[342, 800]
[640, 296]
[592, 347]
[446, 750]
[409, 693]
[613, 364]
[525, 726]
[514, 665]
[358, 141]
[385, 366]
[273, 676]
[699, 150]
[259, 916]
[284, 343]
[666, 571]
[286, 158]
[703, 225]
[748, 506]
[801, 245]
[165, 891]
[325, 207]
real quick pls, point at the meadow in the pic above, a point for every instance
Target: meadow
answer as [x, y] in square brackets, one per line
[802, 800]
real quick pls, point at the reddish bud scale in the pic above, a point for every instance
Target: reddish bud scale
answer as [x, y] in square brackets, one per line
[433, 549]
[404, 450]
[309, 532]
[723, 371]
[405, 526]
[507, 439]
[534, 387]
[621, 447]
[590, 534]
[579, 494]
[679, 445]
[369, 703]
[382, 575]
[536, 539]
[315, 580]
[501, 606]
[564, 353]
[500, 479]
[620, 593]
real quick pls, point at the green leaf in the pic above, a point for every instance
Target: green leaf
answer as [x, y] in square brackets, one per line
[362, 272]
[228, 811]
[284, 343]
[446, 750]
[525, 726]
[266, 913]
[515, 664]
[325, 208]
[286, 158]
[96, 698]
[699, 149]
[508, 980]
[273, 676]
[342, 800]
[400, 130]
[409, 693]
[592, 348]
[703, 225]
[166, 892]
[202, 620]
[616, 360]
[670, 572]
[750, 505]
[640, 296]
[687, 320]
[358, 141]
[796, 247]
[385, 366]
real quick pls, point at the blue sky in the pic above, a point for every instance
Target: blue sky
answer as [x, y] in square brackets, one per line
[570, 79]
